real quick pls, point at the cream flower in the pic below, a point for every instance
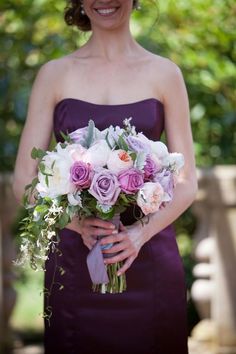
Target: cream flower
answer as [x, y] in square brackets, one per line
[97, 154]
[150, 197]
[119, 160]
[174, 160]
[159, 149]
[57, 167]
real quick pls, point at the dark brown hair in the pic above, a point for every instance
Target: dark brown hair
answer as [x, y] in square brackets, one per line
[73, 15]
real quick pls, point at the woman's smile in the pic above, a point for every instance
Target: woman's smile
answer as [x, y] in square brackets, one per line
[106, 11]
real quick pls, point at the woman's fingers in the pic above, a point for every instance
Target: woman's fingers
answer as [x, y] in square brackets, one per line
[124, 243]
[96, 222]
[116, 247]
[118, 237]
[95, 231]
[126, 265]
[119, 257]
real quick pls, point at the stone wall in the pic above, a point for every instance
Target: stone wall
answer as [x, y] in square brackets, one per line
[214, 290]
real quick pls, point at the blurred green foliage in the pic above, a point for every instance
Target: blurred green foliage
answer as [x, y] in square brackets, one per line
[198, 35]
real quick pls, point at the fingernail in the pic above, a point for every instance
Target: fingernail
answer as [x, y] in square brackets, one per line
[118, 274]
[112, 226]
[114, 232]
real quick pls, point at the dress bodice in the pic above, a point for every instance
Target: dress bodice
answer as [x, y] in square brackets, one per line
[72, 113]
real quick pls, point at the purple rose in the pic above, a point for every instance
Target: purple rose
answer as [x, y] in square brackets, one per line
[165, 178]
[136, 145]
[150, 169]
[105, 187]
[131, 180]
[81, 174]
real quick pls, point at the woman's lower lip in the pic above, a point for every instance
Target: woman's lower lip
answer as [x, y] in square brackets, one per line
[108, 14]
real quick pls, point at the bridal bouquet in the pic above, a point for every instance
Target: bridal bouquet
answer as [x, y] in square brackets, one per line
[97, 173]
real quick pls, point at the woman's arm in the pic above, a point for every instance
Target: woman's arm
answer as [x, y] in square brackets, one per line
[179, 139]
[38, 127]
[37, 133]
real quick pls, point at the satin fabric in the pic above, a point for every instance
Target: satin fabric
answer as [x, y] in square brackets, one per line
[150, 317]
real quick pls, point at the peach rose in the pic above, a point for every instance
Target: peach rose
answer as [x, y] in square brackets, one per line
[150, 197]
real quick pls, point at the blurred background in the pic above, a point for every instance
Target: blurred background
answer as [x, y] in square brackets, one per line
[200, 37]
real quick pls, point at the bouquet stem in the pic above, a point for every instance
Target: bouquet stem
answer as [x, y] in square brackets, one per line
[117, 284]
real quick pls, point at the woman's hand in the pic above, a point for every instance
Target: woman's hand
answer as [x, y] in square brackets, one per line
[89, 228]
[128, 242]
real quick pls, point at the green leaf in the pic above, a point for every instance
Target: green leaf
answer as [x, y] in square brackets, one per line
[47, 181]
[90, 135]
[47, 200]
[34, 182]
[41, 167]
[24, 234]
[63, 220]
[122, 144]
[107, 140]
[37, 153]
[41, 208]
[28, 186]
[53, 164]
[66, 137]
[123, 197]
[133, 156]
[140, 160]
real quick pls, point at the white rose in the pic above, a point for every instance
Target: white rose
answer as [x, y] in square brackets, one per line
[73, 151]
[174, 160]
[77, 152]
[119, 160]
[97, 154]
[57, 164]
[159, 149]
[150, 197]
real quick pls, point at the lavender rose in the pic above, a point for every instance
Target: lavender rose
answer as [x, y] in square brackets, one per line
[105, 187]
[166, 179]
[136, 145]
[81, 174]
[78, 136]
[150, 169]
[131, 180]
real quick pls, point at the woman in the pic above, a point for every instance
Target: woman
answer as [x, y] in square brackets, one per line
[111, 77]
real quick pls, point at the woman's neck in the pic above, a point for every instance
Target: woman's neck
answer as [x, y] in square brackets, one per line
[111, 45]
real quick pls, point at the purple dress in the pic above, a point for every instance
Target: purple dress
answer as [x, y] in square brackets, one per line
[150, 317]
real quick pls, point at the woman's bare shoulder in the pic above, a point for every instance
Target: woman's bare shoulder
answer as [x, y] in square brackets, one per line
[51, 74]
[164, 66]
[54, 67]
[166, 73]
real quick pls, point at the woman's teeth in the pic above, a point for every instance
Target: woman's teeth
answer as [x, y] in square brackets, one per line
[106, 11]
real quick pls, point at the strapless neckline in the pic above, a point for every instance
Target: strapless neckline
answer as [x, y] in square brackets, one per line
[151, 99]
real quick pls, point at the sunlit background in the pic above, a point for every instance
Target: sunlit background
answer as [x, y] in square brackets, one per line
[200, 37]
